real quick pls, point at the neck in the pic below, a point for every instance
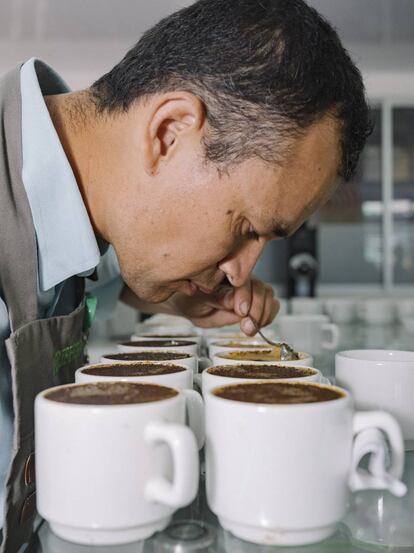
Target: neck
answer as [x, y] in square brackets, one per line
[78, 128]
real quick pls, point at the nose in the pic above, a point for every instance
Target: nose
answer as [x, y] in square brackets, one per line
[238, 266]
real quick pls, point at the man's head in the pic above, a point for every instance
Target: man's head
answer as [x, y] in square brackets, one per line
[230, 119]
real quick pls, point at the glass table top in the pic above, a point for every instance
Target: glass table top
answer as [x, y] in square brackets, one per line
[376, 521]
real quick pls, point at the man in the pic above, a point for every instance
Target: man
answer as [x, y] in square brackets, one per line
[225, 127]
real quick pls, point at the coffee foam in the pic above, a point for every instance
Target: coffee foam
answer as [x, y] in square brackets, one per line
[272, 354]
[143, 368]
[147, 356]
[279, 393]
[261, 372]
[110, 393]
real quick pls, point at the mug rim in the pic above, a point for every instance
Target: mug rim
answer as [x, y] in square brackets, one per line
[358, 355]
[292, 316]
[182, 355]
[345, 397]
[296, 367]
[42, 396]
[181, 343]
[268, 349]
[118, 364]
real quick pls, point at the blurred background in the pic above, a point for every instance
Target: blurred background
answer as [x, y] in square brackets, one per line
[362, 242]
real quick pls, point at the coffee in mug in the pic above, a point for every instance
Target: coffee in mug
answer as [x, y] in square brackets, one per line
[221, 375]
[166, 374]
[118, 393]
[176, 357]
[169, 344]
[263, 356]
[101, 476]
[278, 394]
[300, 445]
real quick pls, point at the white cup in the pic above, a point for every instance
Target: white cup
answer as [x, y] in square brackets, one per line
[223, 358]
[404, 308]
[380, 379]
[108, 474]
[166, 321]
[181, 378]
[312, 333]
[187, 346]
[209, 378]
[169, 333]
[235, 345]
[341, 310]
[376, 311]
[187, 360]
[306, 306]
[281, 474]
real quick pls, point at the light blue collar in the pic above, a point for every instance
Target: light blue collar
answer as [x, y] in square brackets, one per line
[65, 239]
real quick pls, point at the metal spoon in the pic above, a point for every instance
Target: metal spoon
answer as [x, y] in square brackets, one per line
[287, 353]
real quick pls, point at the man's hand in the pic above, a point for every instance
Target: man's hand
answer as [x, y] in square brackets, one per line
[228, 306]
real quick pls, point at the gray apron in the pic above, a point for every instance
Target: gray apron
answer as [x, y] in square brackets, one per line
[42, 353]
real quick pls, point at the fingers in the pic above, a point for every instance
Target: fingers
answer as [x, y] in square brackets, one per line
[263, 308]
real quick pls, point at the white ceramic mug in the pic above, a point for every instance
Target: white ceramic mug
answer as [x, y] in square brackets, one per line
[177, 377]
[187, 360]
[312, 333]
[380, 379]
[169, 334]
[236, 344]
[281, 474]
[223, 358]
[341, 310]
[404, 308]
[181, 378]
[209, 378]
[306, 306]
[108, 474]
[187, 346]
[376, 311]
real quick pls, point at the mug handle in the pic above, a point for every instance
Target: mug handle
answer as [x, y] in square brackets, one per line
[333, 330]
[198, 380]
[367, 427]
[184, 486]
[195, 414]
[204, 363]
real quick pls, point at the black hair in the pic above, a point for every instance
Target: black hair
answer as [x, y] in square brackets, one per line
[265, 70]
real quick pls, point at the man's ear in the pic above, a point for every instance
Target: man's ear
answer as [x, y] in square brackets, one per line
[170, 118]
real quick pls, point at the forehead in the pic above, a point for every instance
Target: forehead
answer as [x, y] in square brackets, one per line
[289, 193]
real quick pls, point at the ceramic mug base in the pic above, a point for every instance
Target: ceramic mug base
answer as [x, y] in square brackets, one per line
[108, 537]
[268, 536]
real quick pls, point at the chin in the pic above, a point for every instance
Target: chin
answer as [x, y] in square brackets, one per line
[155, 295]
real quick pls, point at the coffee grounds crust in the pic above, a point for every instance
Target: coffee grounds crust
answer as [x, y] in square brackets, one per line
[132, 369]
[110, 393]
[261, 372]
[278, 393]
[171, 343]
[147, 356]
[256, 355]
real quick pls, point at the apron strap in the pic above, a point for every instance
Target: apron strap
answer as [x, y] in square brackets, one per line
[18, 250]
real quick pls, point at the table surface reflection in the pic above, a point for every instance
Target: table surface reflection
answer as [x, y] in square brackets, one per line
[376, 521]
